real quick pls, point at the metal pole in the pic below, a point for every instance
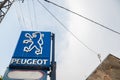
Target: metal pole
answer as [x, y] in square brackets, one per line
[53, 63]
[53, 47]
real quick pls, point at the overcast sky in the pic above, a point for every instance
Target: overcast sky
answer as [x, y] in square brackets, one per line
[74, 60]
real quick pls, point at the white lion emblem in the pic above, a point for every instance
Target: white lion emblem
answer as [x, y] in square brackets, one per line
[35, 40]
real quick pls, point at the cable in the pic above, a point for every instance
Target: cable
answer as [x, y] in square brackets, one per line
[34, 12]
[18, 16]
[22, 14]
[69, 31]
[84, 17]
[98, 55]
[30, 14]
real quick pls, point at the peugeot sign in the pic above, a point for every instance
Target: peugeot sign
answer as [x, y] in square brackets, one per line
[33, 49]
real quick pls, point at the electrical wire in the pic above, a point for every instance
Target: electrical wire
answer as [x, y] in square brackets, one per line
[22, 14]
[83, 17]
[34, 10]
[98, 55]
[29, 12]
[18, 16]
[69, 31]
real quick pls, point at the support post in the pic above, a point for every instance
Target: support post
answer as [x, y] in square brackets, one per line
[53, 63]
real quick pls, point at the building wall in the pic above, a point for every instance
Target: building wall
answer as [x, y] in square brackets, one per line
[108, 70]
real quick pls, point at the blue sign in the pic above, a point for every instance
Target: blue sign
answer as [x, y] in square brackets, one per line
[33, 48]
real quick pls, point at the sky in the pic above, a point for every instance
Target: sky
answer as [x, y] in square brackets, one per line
[74, 60]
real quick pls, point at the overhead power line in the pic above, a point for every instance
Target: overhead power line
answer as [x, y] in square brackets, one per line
[22, 15]
[98, 55]
[84, 17]
[29, 13]
[34, 12]
[18, 15]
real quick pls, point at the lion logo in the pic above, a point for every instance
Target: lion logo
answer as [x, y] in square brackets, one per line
[35, 41]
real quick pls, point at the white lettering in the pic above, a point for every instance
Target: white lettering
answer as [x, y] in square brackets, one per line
[45, 61]
[18, 61]
[39, 61]
[29, 61]
[13, 60]
[34, 61]
[23, 61]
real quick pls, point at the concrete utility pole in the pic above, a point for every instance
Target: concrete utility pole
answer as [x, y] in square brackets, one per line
[4, 7]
